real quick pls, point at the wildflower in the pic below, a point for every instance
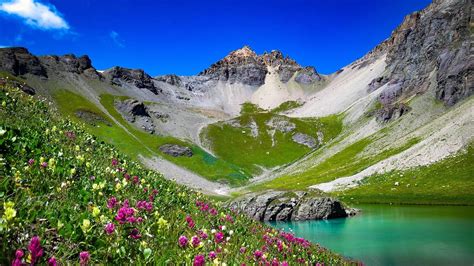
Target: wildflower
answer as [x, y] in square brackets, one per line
[125, 214]
[190, 221]
[77, 148]
[2, 131]
[243, 249]
[111, 203]
[213, 212]
[95, 211]
[135, 234]
[118, 186]
[109, 228]
[136, 180]
[43, 164]
[202, 234]
[86, 224]
[60, 225]
[147, 253]
[212, 255]
[285, 263]
[9, 212]
[257, 254]
[162, 223]
[18, 255]
[219, 237]
[72, 171]
[195, 241]
[52, 261]
[182, 241]
[84, 258]
[114, 162]
[231, 232]
[199, 260]
[52, 163]
[35, 249]
[31, 162]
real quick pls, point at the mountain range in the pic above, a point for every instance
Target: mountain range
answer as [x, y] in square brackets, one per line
[254, 122]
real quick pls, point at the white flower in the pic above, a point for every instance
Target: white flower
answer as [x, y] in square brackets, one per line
[2, 132]
[231, 232]
[213, 231]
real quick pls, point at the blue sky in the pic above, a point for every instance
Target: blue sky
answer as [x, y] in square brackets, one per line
[184, 37]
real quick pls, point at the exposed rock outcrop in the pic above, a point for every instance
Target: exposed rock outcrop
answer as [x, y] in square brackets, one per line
[19, 61]
[136, 112]
[438, 38]
[246, 67]
[136, 77]
[176, 150]
[171, 79]
[286, 206]
[71, 64]
[305, 140]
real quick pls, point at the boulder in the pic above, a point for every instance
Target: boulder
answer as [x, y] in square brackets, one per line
[286, 206]
[305, 140]
[136, 112]
[176, 150]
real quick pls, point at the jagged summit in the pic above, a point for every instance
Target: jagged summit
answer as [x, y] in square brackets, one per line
[245, 66]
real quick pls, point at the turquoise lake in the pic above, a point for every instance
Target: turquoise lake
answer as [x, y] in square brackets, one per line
[396, 235]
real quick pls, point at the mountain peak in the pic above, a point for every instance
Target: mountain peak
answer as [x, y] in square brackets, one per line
[244, 52]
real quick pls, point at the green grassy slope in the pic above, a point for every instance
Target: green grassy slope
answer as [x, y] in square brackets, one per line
[142, 143]
[347, 162]
[449, 181]
[239, 146]
[58, 183]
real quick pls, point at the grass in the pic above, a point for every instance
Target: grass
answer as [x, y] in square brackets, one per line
[449, 181]
[142, 143]
[57, 190]
[286, 106]
[344, 163]
[240, 146]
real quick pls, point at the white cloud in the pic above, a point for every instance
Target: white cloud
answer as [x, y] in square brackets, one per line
[36, 14]
[116, 38]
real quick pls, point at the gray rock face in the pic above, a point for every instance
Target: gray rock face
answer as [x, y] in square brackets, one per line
[246, 67]
[281, 125]
[18, 61]
[438, 38]
[137, 77]
[307, 75]
[304, 139]
[136, 112]
[170, 79]
[176, 150]
[71, 64]
[286, 206]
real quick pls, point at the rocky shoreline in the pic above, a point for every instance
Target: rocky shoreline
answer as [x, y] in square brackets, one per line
[290, 206]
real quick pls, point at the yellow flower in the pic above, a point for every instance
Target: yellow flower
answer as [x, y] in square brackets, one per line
[103, 218]
[88, 165]
[42, 159]
[52, 163]
[118, 186]
[73, 171]
[86, 224]
[95, 186]
[95, 211]
[9, 214]
[162, 223]
[8, 204]
[54, 128]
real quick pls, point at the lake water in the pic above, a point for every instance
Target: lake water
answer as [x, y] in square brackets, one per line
[396, 235]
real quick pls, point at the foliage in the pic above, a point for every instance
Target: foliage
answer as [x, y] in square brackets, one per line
[69, 198]
[286, 106]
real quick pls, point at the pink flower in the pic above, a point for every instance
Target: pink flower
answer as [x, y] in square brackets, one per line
[199, 260]
[285, 263]
[109, 228]
[219, 237]
[212, 255]
[213, 212]
[135, 234]
[114, 162]
[18, 255]
[35, 249]
[136, 180]
[275, 262]
[195, 241]
[190, 221]
[52, 261]
[125, 214]
[44, 165]
[258, 254]
[84, 258]
[111, 203]
[243, 249]
[182, 241]
[202, 234]
[31, 162]
[70, 135]
[127, 176]
[229, 218]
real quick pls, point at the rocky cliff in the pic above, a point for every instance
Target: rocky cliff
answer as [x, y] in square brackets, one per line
[434, 41]
[245, 66]
[136, 77]
[285, 206]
